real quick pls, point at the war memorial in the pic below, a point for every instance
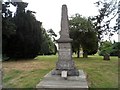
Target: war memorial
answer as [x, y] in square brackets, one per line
[65, 76]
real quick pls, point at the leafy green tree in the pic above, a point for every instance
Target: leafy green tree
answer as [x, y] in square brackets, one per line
[89, 44]
[52, 35]
[115, 49]
[83, 35]
[8, 26]
[26, 42]
[23, 35]
[105, 47]
[47, 47]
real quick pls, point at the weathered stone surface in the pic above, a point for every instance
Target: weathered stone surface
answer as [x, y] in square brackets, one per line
[64, 54]
[64, 33]
[56, 82]
[65, 61]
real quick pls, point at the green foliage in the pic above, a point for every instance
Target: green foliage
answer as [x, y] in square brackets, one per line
[47, 46]
[8, 27]
[83, 35]
[105, 47]
[90, 43]
[24, 35]
[109, 48]
[115, 49]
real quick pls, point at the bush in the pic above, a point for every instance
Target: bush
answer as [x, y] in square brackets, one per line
[112, 49]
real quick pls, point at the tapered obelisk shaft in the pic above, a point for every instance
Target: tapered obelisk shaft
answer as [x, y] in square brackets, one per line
[64, 23]
[64, 33]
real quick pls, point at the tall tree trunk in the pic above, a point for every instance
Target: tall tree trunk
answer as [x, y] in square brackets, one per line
[85, 54]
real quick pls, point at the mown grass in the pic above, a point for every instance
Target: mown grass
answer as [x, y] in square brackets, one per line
[28, 73]
[101, 74]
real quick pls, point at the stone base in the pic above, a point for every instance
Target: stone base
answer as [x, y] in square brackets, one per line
[56, 82]
[72, 72]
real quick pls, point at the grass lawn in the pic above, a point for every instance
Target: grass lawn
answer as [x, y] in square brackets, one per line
[28, 73]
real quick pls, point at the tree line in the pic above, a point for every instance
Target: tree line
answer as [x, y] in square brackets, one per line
[87, 33]
[22, 35]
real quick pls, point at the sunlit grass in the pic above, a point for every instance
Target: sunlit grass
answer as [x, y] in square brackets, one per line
[28, 73]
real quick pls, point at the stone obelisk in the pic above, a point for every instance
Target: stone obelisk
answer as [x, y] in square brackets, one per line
[65, 76]
[65, 61]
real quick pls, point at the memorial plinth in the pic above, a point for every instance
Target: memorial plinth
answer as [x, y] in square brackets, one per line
[72, 79]
[55, 82]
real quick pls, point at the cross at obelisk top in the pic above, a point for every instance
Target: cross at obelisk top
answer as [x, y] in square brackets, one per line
[64, 33]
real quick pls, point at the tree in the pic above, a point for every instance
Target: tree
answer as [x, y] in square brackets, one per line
[83, 35]
[47, 46]
[115, 49]
[89, 44]
[26, 42]
[105, 48]
[8, 26]
[107, 12]
[52, 35]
